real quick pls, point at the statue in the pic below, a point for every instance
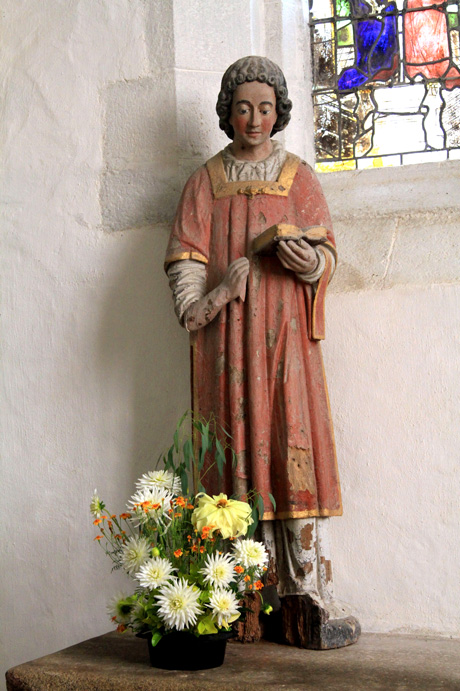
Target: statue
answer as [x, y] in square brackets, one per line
[256, 320]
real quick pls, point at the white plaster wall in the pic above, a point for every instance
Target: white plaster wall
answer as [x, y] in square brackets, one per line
[392, 358]
[109, 104]
[90, 384]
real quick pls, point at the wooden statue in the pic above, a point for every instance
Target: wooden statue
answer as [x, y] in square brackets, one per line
[255, 311]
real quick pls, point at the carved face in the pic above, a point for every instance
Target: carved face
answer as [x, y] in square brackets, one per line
[253, 115]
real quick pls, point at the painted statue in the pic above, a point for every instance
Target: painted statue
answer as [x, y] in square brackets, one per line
[256, 321]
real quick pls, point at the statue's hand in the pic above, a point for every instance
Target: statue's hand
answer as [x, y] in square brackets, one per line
[235, 278]
[297, 256]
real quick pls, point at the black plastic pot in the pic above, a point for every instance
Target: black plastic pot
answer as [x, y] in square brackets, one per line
[183, 650]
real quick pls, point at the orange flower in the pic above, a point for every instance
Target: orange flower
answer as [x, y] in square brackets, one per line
[178, 553]
[117, 537]
[114, 515]
[201, 549]
[177, 515]
[125, 515]
[194, 548]
[239, 569]
[121, 628]
[189, 537]
[258, 585]
[247, 578]
[250, 586]
[97, 521]
[190, 506]
[109, 523]
[98, 537]
[180, 501]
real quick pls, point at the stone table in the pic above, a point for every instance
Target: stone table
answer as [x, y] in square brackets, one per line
[114, 662]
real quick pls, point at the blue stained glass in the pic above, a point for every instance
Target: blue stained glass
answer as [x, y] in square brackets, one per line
[376, 45]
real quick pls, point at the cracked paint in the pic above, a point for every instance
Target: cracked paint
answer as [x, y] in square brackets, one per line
[306, 536]
[300, 470]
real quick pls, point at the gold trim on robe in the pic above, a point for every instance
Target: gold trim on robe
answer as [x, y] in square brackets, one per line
[222, 188]
[178, 256]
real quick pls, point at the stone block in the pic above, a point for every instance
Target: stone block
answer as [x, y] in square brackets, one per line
[160, 35]
[383, 191]
[363, 247]
[222, 33]
[139, 181]
[199, 136]
[426, 250]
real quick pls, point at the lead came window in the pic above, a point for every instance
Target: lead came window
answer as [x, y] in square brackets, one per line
[386, 82]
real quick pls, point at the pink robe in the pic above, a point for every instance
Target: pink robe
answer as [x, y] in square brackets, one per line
[257, 367]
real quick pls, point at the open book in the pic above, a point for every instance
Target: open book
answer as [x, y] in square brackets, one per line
[266, 242]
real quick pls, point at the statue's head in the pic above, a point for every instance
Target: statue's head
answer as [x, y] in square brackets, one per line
[250, 69]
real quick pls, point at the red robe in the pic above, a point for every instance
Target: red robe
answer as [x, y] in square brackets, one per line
[257, 367]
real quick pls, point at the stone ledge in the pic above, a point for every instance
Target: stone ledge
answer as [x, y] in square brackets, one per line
[114, 661]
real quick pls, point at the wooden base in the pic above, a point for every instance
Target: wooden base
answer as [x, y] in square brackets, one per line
[307, 625]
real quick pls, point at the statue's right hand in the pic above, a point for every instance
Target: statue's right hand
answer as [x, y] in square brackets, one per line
[235, 278]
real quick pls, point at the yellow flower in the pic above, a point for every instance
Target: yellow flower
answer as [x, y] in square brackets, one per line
[230, 516]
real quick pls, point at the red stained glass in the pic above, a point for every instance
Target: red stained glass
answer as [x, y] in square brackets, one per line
[426, 43]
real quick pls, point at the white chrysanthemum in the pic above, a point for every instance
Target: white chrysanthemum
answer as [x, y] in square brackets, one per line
[96, 507]
[218, 569]
[135, 553]
[155, 572]
[150, 504]
[119, 608]
[179, 604]
[224, 606]
[160, 478]
[250, 553]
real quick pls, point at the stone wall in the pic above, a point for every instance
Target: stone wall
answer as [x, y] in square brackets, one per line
[109, 105]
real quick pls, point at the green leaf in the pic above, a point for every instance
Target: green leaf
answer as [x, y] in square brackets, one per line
[255, 517]
[201, 458]
[205, 437]
[206, 625]
[188, 453]
[220, 457]
[184, 481]
[260, 506]
[272, 499]
[170, 462]
[156, 638]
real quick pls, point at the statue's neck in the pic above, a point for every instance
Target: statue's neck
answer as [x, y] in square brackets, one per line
[251, 153]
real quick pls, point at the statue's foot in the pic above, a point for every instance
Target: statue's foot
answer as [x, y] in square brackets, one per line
[307, 624]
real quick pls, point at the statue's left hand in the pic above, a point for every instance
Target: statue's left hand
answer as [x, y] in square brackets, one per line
[297, 256]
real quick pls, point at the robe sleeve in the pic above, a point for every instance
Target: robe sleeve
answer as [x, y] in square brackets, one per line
[312, 210]
[191, 231]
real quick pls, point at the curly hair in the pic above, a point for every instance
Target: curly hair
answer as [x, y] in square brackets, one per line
[250, 69]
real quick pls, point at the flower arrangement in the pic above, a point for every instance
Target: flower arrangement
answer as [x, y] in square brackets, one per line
[191, 555]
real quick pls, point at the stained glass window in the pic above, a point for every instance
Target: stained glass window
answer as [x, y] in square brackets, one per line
[386, 82]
